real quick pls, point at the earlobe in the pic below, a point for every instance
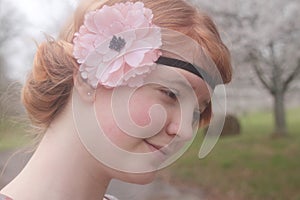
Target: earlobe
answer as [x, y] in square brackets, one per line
[85, 91]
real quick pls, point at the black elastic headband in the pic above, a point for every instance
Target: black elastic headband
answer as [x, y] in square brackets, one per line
[172, 62]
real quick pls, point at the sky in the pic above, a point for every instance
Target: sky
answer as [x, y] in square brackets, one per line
[42, 17]
[43, 13]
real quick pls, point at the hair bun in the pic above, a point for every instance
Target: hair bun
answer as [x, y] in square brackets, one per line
[50, 82]
[39, 71]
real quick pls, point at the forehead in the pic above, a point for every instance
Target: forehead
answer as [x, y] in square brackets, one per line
[197, 85]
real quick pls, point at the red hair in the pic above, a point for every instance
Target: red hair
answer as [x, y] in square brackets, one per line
[49, 85]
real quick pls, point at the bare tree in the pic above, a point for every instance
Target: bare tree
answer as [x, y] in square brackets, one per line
[264, 35]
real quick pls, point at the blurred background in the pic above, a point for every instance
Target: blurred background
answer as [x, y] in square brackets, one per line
[258, 154]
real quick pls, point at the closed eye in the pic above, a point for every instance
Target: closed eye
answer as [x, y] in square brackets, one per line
[173, 95]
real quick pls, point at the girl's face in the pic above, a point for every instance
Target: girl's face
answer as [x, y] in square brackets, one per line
[160, 117]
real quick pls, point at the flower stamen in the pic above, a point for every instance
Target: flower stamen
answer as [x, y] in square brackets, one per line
[117, 43]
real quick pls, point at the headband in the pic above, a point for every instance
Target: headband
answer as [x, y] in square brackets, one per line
[123, 48]
[172, 62]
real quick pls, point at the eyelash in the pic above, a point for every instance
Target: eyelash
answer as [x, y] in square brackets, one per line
[173, 95]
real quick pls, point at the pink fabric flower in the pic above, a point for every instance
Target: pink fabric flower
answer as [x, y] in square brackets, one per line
[117, 45]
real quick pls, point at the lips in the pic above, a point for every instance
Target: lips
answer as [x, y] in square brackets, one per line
[154, 147]
[162, 149]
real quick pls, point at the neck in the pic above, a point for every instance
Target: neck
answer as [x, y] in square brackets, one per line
[60, 169]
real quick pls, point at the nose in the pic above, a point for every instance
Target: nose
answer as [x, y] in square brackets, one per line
[181, 127]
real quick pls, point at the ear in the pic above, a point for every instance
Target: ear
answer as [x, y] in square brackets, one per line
[85, 91]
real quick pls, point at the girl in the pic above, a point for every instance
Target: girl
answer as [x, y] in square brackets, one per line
[119, 95]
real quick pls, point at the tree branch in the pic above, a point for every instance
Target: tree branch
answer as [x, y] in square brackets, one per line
[262, 78]
[292, 76]
[258, 71]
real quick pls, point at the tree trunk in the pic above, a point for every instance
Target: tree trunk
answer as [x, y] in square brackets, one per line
[279, 114]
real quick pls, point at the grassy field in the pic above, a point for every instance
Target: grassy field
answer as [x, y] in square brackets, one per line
[250, 166]
[12, 134]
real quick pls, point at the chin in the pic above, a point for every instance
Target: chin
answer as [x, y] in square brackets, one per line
[137, 178]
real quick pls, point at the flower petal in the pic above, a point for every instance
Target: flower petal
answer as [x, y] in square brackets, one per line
[135, 58]
[116, 65]
[93, 59]
[127, 65]
[90, 22]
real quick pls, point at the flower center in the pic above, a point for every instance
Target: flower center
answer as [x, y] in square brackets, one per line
[117, 43]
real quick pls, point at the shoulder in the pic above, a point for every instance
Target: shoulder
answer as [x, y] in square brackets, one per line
[3, 197]
[107, 197]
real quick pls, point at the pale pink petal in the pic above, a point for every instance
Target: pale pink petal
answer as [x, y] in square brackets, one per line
[151, 57]
[87, 68]
[106, 17]
[99, 63]
[110, 55]
[99, 40]
[138, 6]
[141, 32]
[102, 48]
[93, 59]
[140, 45]
[116, 65]
[87, 41]
[124, 9]
[149, 15]
[114, 78]
[90, 22]
[135, 18]
[115, 28]
[129, 36]
[153, 38]
[101, 70]
[134, 58]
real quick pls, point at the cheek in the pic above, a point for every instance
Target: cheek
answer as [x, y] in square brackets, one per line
[106, 119]
[111, 130]
[108, 124]
[139, 108]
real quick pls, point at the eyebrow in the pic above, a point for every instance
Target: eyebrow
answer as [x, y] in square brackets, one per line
[181, 83]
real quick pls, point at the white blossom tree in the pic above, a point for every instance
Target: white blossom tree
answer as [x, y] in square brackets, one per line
[264, 35]
[11, 23]
[19, 32]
